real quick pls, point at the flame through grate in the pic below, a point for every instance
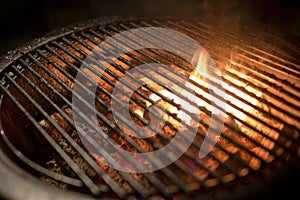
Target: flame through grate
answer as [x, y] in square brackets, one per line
[261, 129]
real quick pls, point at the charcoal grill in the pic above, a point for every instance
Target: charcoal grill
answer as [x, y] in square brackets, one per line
[41, 147]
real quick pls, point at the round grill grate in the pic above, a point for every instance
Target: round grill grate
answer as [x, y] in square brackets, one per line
[260, 136]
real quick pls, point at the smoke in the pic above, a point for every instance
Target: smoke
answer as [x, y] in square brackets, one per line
[220, 12]
[274, 15]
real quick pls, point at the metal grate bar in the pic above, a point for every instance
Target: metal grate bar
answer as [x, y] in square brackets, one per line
[93, 188]
[39, 168]
[168, 172]
[158, 81]
[283, 50]
[206, 124]
[295, 93]
[268, 103]
[121, 41]
[179, 164]
[156, 182]
[110, 182]
[95, 166]
[225, 38]
[223, 100]
[256, 45]
[279, 89]
[115, 77]
[66, 117]
[290, 95]
[284, 142]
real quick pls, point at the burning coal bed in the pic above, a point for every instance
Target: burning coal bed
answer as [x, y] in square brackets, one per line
[245, 142]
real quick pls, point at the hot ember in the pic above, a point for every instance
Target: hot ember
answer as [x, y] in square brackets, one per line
[190, 103]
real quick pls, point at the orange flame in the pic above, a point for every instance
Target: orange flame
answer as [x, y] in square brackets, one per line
[201, 71]
[200, 75]
[201, 66]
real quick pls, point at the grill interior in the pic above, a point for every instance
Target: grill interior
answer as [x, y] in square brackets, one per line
[39, 134]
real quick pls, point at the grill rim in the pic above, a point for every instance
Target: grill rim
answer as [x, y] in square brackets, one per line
[18, 177]
[28, 186]
[7, 166]
[14, 54]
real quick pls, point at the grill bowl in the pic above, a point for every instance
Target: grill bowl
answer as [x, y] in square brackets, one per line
[19, 135]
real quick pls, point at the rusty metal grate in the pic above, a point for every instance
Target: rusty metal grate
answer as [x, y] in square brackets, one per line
[38, 125]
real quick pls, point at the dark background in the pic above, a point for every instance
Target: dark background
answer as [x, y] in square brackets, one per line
[22, 21]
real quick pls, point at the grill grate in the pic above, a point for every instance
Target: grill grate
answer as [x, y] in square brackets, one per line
[37, 91]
